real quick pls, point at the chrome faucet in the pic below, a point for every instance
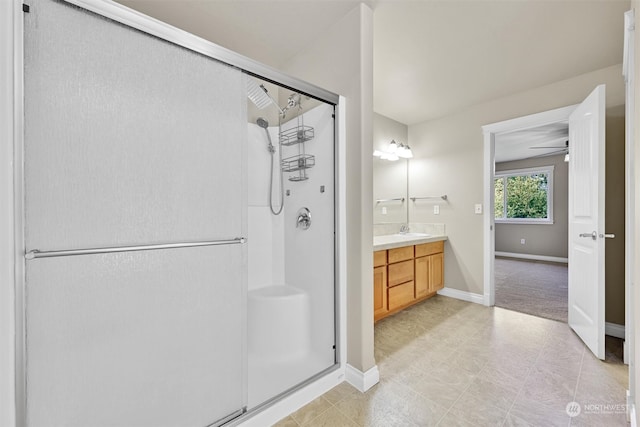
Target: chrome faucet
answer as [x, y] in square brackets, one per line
[404, 228]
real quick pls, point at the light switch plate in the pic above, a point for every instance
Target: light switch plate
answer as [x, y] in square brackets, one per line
[436, 210]
[384, 210]
[478, 208]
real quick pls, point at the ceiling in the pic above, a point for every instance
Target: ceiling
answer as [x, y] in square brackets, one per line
[541, 141]
[431, 58]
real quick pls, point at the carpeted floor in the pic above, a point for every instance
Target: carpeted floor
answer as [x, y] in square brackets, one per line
[537, 288]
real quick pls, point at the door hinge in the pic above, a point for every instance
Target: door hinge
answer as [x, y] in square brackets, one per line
[25, 8]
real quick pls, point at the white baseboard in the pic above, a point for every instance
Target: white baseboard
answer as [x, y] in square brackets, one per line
[462, 295]
[614, 330]
[533, 257]
[363, 381]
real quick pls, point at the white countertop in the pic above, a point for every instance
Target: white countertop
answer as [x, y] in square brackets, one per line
[392, 241]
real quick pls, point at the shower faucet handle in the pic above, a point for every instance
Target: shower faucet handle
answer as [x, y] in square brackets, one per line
[304, 219]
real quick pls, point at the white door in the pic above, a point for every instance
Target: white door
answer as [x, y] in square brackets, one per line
[586, 220]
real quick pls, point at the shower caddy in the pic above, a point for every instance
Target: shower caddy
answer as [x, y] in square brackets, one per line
[298, 135]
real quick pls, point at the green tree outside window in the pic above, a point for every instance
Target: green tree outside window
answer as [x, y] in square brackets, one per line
[522, 196]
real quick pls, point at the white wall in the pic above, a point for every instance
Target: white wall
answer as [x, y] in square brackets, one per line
[449, 160]
[7, 294]
[341, 60]
[635, 304]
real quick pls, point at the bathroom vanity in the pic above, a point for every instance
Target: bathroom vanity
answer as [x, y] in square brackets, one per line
[407, 269]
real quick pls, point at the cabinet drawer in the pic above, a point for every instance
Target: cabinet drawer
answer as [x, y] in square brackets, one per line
[400, 254]
[429, 248]
[400, 272]
[379, 258]
[400, 295]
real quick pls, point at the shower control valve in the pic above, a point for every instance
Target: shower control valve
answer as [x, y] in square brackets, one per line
[304, 219]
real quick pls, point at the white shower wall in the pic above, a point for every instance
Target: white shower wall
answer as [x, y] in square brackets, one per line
[265, 230]
[280, 253]
[309, 254]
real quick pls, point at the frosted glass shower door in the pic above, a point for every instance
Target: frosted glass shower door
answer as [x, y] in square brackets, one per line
[130, 140]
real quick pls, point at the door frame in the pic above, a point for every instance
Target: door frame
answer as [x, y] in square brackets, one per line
[628, 71]
[490, 131]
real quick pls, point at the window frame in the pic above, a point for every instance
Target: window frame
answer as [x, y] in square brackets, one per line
[525, 172]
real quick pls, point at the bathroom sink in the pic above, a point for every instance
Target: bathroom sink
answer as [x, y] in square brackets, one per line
[412, 235]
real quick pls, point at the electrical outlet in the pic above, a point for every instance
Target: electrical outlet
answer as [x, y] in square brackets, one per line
[478, 208]
[522, 241]
[436, 210]
[384, 210]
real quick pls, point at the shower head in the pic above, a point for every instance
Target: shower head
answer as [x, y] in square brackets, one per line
[259, 95]
[262, 122]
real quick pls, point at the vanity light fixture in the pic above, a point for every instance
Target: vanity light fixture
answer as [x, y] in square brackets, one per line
[394, 151]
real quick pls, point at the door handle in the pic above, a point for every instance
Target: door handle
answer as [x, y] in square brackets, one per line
[593, 235]
[608, 236]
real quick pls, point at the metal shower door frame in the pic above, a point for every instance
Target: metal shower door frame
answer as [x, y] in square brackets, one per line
[12, 215]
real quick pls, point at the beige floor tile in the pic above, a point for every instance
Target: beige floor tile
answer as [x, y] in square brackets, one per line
[452, 420]
[413, 406]
[449, 373]
[370, 410]
[600, 390]
[310, 411]
[339, 392]
[600, 420]
[451, 363]
[494, 394]
[478, 411]
[537, 414]
[332, 417]
[510, 378]
[286, 422]
[592, 366]
[514, 421]
[548, 387]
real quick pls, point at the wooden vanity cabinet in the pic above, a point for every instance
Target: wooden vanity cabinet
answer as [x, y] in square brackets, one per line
[380, 306]
[429, 264]
[406, 275]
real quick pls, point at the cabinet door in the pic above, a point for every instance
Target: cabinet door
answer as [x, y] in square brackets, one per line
[379, 292]
[436, 272]
[422, 277]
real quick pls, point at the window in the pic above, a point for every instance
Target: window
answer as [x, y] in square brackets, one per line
[524, 196]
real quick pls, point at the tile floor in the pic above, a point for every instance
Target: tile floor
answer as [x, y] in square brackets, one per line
[447, 362]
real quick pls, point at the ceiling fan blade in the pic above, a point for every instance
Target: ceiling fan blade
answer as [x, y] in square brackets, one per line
[552, 153]
[533, 148]
[565, 146]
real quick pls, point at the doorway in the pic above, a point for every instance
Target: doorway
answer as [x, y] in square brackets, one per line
[491, 133]
[614, 207]
[531, 220]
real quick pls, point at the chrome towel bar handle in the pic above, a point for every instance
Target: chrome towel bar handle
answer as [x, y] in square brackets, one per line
[94, 251]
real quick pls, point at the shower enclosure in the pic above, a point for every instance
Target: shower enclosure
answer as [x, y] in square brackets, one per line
[174, 272]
